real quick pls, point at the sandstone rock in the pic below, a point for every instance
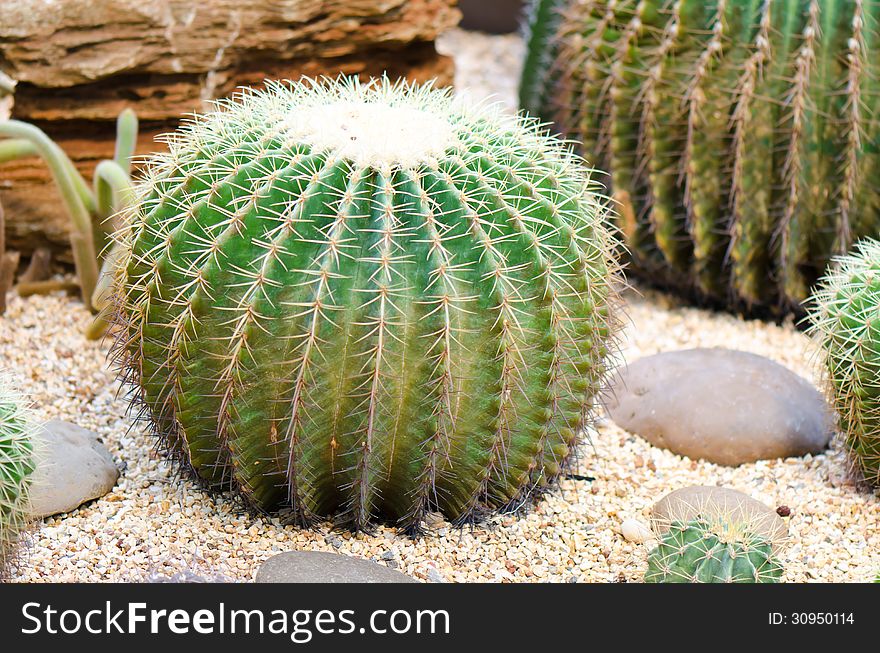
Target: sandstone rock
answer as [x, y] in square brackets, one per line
[323, 567]
[72, 467]
[727, 407]
[684, 504]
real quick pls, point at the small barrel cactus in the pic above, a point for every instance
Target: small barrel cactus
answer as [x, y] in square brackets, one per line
[367, 301]
[16, 468]
[742, 137]
[712, 550]
[845, 320]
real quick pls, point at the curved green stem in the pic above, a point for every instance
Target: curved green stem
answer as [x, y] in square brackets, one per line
[12, 149]
[113, 192]
[126, 139]
[102, 293]
[82, 240]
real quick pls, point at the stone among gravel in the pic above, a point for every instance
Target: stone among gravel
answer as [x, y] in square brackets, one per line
[686, 503]
[323, 567]
[724, 406]
[635, 531]
[73, 467]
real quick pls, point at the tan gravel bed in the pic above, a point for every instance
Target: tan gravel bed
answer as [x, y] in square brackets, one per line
[153, 524]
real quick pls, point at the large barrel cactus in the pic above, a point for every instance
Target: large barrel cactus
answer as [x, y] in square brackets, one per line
[366, 301]
[16, 469]
[742, 137]
[846, 323]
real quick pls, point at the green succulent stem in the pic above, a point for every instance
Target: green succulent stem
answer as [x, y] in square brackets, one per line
[543, 20]
[113, 192]
[70, 184]
[126, 139]
[12, 149]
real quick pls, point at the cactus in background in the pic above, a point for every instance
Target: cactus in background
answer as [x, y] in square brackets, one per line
[367, 301]
[712, 550]
[742, 136]
[540, 26]
[16, 468]
[91, 209]
[845, 317]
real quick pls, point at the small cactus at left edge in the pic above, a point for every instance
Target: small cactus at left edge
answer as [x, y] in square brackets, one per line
[367, 301]
[712, 550]
[845, 320]
[16, 469]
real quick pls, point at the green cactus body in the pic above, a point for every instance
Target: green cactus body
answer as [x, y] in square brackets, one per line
[755, 131]
[846, 323]
[366, 301]
[857, 199]
[677, 54]
[819, 127]
[708, 151]
[542, 23]
[16, 469]
[756, 156]
[629, 176]
[700, 551]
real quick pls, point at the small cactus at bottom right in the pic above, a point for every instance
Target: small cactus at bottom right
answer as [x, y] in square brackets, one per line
[16, 470]
[845, 320]
[716, 550]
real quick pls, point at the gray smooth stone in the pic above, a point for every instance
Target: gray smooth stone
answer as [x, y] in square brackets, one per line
[323, 567]
[728, 407]
[73, 467]
[710, 501]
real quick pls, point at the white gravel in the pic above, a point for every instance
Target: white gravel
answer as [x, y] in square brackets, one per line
[151, 524]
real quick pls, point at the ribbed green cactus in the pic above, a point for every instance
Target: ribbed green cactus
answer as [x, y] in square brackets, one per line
[742, 136]
[540, 27]
[845, 319]
[366, 300]
[16, 468]
[713, 550]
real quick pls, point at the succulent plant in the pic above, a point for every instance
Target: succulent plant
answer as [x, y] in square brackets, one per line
[366, 300]
[91, 209]
[742, 137]
[542, 21]
[16, 467]
[845, 317]
[712, 550]
[8, 264]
